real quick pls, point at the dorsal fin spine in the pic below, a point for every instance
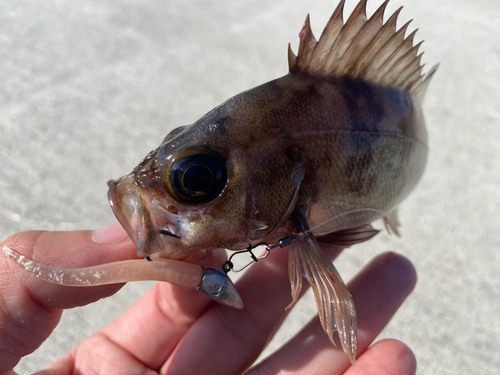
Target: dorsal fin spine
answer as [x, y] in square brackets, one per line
[388, 31]
[406, 66]
[348, 33]
[400, 60]
[328, 37]
[372, 50]
[362, 48]
[307, 43]
[399, 81]
[292, 59]
[385, 57]
[357, 49]
[412, 66]
[414, 78]
[418, 89]
[374, 26]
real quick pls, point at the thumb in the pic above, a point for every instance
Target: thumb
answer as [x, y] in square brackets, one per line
[31, 308]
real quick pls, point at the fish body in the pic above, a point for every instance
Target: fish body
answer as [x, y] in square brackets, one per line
[324, 151]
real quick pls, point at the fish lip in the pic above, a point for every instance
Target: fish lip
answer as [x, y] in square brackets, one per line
[149, 225]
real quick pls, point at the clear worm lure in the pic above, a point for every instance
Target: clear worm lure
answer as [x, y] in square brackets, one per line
[213, 282]
[172, 271]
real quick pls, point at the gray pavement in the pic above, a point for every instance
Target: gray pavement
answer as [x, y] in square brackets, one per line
[89, 88]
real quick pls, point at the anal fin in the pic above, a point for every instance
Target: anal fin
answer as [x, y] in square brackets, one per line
[335, 304]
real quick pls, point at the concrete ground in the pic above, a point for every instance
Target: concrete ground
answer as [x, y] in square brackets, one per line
[89, 88]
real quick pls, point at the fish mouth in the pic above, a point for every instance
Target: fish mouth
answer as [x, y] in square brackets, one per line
[147, 222]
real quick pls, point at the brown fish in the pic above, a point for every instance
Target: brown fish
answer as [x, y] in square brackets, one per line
[335, 144]
[324, 151]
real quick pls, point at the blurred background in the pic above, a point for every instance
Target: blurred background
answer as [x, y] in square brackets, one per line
[89, 88]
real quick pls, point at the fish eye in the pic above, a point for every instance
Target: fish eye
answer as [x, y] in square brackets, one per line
[196, 175]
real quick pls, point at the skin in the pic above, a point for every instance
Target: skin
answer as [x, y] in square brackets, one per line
[172, 329]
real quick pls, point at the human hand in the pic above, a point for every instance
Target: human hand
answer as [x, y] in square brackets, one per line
[174, 330]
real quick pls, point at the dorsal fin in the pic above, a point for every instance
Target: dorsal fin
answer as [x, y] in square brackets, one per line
[362, 48]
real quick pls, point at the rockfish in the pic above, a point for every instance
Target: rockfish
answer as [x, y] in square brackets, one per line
[322, 152]
[327, 149]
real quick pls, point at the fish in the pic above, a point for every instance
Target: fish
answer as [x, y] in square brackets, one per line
[322, 152]
[315, 156]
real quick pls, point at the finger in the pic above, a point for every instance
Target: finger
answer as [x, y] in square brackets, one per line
[378, 291]
[228, 341]
[62, 366]
[149, 331]
[388, 357]
[101, 361]
[29, 307]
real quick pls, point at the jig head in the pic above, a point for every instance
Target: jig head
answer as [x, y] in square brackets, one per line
[219, 287]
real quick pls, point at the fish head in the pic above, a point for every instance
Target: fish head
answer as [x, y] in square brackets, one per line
[208, 185]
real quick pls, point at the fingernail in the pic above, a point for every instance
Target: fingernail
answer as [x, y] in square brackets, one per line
[112, 233]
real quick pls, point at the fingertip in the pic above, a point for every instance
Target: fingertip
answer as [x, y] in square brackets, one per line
[403, 353]
[400, 353]
[62, 366]
[399, 268]
[393, 273]
[388, 357]
[110, 234]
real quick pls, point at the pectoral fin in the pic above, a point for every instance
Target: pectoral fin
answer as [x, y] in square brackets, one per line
[335, 305]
